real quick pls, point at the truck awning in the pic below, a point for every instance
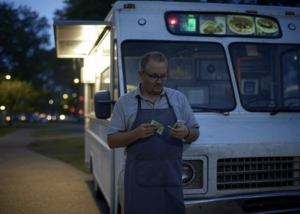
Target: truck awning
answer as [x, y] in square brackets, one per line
[76, 39]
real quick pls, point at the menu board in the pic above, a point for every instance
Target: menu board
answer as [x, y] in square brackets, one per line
[237, 24]
[226, 24]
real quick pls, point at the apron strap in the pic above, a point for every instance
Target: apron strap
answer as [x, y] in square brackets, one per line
[170, 106]
[139, 102]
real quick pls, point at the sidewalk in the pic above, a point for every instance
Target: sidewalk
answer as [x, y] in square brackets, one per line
[34, 184]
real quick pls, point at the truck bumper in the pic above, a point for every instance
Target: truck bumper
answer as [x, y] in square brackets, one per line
[283, 202]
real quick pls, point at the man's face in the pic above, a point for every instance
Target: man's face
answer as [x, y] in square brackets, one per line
[151, 84]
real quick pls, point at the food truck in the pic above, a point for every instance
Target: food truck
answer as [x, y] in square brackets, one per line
[239, 67]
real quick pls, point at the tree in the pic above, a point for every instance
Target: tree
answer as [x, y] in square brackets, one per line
[85, 9]
[23, 36]
[23, 40]
[18, 97]
[291, 3]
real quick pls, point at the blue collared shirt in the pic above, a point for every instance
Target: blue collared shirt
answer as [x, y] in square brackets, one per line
[126, 107]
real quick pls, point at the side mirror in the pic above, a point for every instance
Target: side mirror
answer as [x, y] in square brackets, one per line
[102, 104]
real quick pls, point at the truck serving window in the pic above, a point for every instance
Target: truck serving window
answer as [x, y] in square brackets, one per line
[220, 24]
[198, 70]
[268, 76]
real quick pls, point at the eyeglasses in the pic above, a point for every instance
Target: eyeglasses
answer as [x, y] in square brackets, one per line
[155, 78]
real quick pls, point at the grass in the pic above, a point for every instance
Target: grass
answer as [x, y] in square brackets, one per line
[69, 150]
[53, 128]
[7, 130]
[35, 124]
[54, 132]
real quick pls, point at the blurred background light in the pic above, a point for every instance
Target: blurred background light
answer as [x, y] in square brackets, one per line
[65, 96]
[62, 117]
[72, 109]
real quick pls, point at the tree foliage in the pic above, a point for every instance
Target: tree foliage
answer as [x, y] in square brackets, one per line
[23, 36]
[18, 97]
[23, 39]
[84, 9]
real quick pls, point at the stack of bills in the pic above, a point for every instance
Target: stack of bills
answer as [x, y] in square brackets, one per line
[178, 124]
[159, 126]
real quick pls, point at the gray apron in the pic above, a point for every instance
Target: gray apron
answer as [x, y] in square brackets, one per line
[153, 170]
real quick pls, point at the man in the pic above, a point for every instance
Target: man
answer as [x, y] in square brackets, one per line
[153, 170]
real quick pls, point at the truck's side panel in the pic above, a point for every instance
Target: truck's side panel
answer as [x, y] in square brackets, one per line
[102, 157]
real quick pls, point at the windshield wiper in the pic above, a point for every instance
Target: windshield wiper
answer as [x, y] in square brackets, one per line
[225, 113]
[272, 113]
[277, 110]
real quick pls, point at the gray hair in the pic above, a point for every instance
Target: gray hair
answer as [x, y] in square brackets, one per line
[155, 56]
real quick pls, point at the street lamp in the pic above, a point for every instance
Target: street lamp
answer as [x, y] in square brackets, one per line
[7, 77]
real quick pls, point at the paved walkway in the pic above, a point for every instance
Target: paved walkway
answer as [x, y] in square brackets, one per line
[34, 184]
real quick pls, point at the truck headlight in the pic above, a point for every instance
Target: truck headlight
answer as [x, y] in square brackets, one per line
[189, 173]
[194, 174]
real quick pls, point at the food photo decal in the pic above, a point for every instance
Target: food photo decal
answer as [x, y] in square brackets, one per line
[241, 24]
[213, 26]
[266, 25]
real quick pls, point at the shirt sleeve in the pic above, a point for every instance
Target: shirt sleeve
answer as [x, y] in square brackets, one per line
[117, 121]
[187, 113]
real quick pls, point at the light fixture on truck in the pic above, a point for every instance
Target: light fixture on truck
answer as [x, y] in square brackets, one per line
[188, 173]
[183, 23]
[194, 174]
[132, 6]
[173, 21]
[77, 38]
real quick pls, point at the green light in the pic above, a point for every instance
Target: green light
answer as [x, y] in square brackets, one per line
[191, 24]
[188, 23]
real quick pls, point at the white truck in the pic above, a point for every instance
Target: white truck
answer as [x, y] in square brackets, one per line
[239, 67]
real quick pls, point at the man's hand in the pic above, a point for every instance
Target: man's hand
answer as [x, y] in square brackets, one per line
[145, 130]
[179, 133]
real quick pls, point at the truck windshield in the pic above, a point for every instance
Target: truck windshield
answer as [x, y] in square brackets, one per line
[268, 76]
[198, 70]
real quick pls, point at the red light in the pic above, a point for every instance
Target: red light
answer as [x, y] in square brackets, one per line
[72, 109]
[173, 21]
[81, 98]
[80, 111]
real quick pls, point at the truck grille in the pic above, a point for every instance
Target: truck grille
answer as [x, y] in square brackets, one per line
[251, 173]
